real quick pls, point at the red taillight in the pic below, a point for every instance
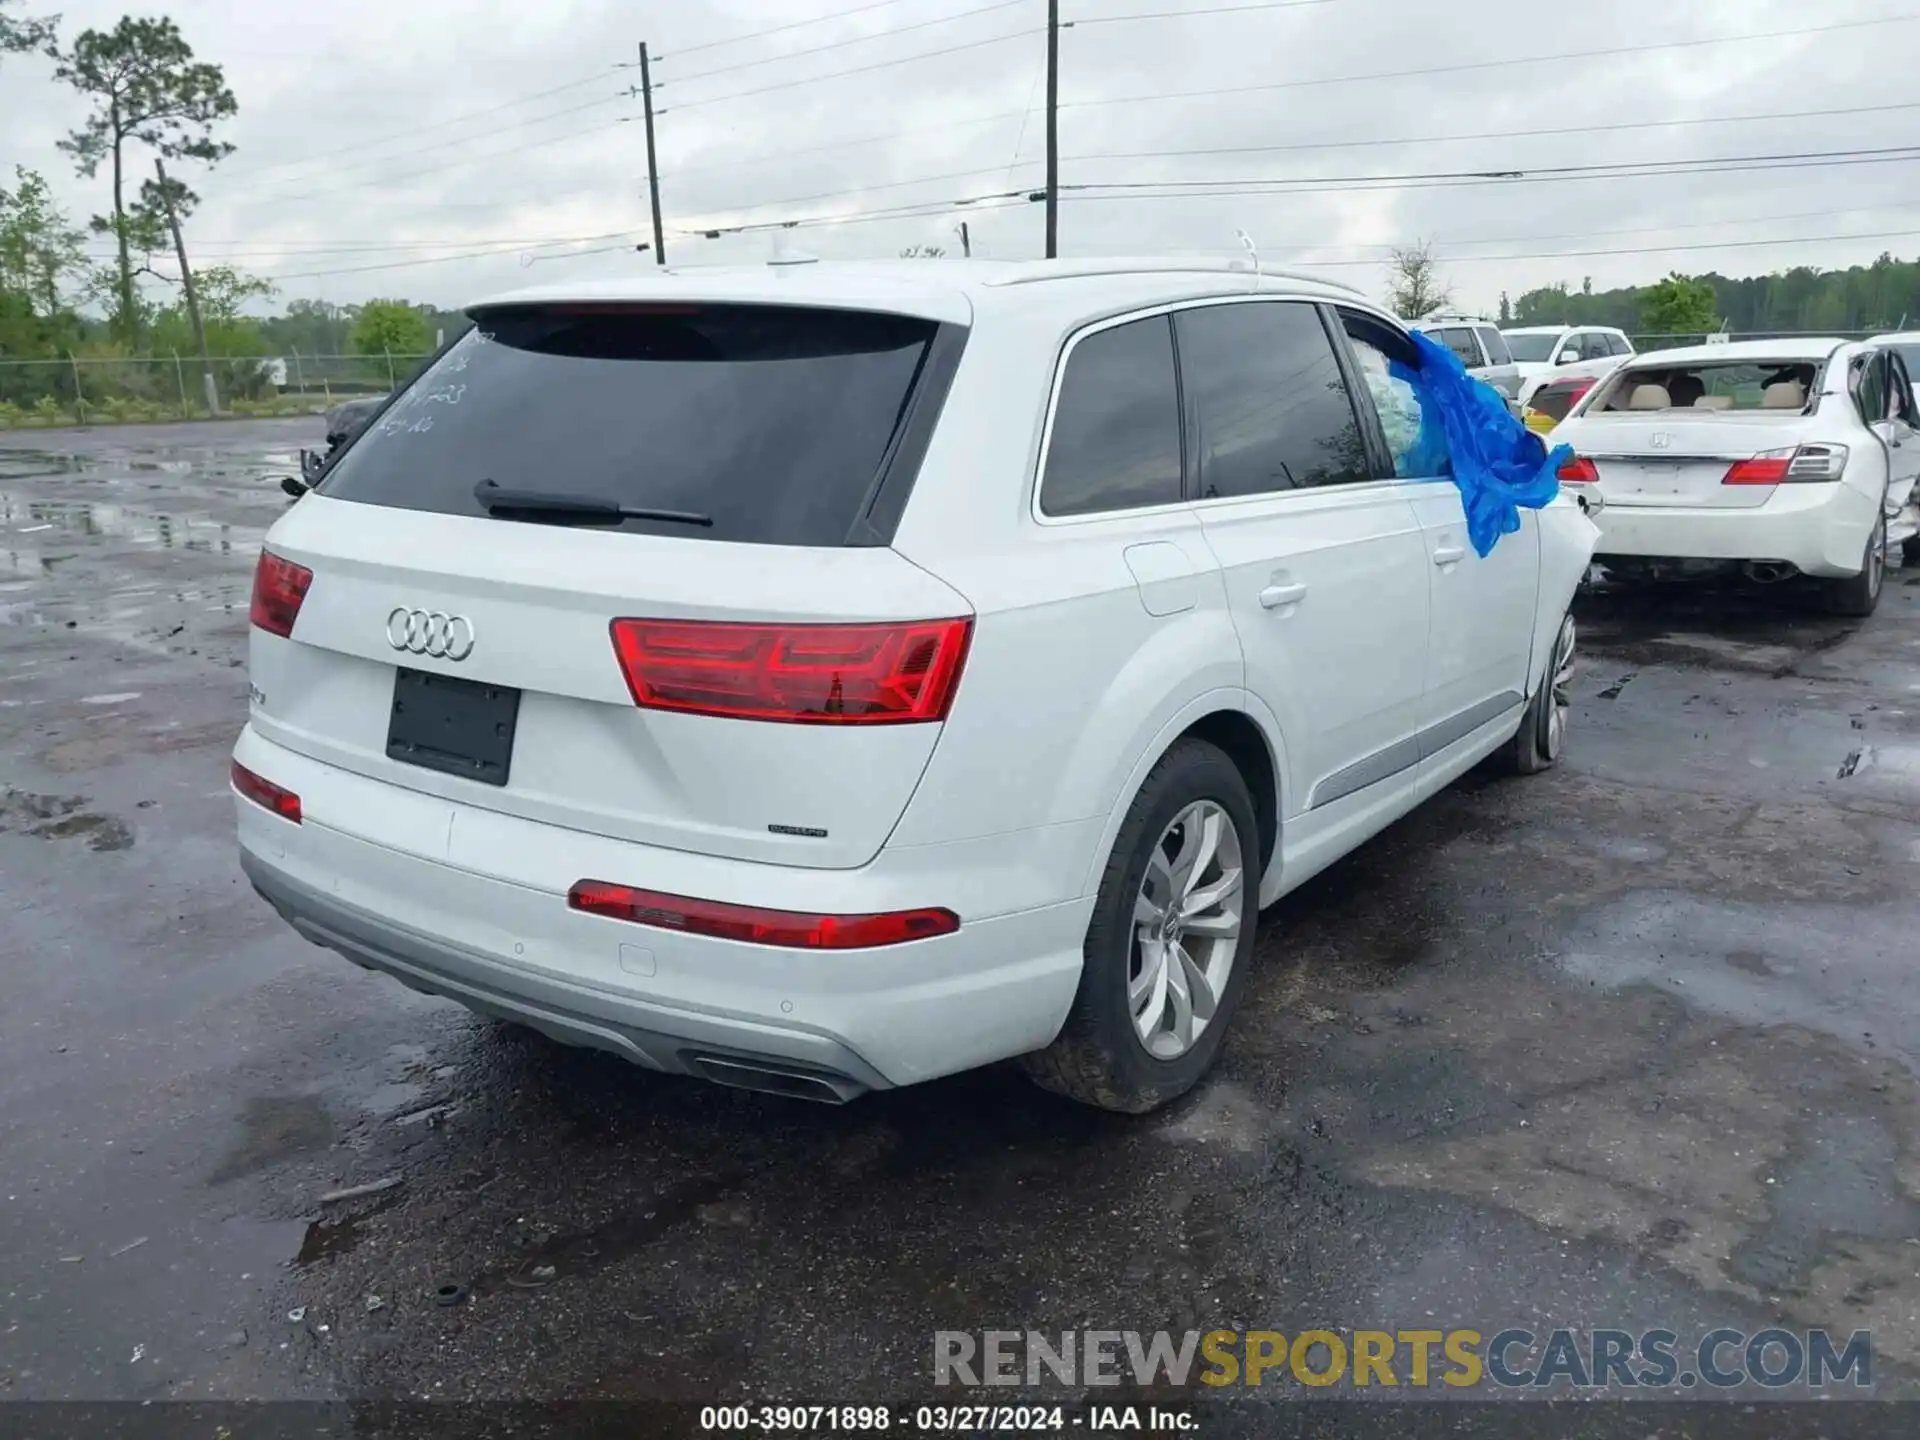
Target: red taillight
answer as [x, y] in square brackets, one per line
[1579, 471]
[1760, 470]
[266, 794]
[278, 588]
[754, 926]
[814, 674]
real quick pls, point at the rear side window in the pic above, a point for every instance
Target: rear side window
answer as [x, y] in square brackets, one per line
[773, 421]
[1870, 388]
[1462, 343]
[1116, 424]
[1619, 345]
[1497, 352]
[1270, 408]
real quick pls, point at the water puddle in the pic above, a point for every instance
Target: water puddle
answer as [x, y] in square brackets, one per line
[1845, 970]
[70, 518]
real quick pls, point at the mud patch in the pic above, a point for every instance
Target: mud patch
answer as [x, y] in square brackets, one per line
[61, 817]
[274, 1128]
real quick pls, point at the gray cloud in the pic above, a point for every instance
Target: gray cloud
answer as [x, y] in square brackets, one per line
[367, 125]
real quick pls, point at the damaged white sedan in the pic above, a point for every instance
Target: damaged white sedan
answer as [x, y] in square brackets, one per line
[1778, 458]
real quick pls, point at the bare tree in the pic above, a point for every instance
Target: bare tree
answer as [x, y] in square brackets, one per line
[1417, 287]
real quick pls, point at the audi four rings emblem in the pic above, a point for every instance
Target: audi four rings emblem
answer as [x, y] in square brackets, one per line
[430, 632]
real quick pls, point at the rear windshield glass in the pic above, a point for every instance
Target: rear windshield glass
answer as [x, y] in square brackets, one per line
[1783, 385]
[772, 421]
[1531, 349]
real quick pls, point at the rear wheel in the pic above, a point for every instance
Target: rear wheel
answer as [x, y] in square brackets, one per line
[1859, 595]
[1536, 745]
[1168, 946]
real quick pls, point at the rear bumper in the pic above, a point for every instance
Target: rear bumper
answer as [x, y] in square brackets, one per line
[832, 1023]
[1819, 529]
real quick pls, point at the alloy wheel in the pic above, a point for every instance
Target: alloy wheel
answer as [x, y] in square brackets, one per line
[1187, 921]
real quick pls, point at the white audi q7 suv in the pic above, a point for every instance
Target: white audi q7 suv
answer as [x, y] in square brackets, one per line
[821, 678]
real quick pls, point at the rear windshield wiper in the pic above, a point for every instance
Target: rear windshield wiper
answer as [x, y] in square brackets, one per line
[498, 500]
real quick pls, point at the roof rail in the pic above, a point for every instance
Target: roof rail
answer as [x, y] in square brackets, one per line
[1164, 265]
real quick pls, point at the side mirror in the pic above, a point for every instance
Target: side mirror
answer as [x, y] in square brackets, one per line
[1568, 356]
[295, 488]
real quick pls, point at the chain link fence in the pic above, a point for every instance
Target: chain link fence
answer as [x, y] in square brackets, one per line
[83, 390]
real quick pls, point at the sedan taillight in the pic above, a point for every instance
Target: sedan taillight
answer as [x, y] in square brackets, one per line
[808, 674]
[1776, 467]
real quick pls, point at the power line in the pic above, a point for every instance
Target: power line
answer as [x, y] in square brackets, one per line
[869, 189]
[447, 145]
[418, 129]
[842, 44]
[997, 200]
[1491, 64]
[856, 70]
[491, 251]
[945, 126]
[1507, 135]
[1188, 14]
[1622, 170]
[1634, 249]
[782, 29]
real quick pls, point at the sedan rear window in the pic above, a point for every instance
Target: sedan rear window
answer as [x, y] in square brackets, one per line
[772, 422]
[1778, 385]
[1532, 349]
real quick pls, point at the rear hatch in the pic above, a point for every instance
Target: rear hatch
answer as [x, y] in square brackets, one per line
[622, 568]
[1682, 458]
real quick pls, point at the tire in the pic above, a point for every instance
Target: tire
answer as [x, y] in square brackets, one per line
[1858, 596]
[1541, 735]
[1101, 1056]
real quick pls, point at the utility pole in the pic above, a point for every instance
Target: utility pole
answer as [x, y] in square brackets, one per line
[186, 284]
[653, 165]
[966, 241]
[1053, 128]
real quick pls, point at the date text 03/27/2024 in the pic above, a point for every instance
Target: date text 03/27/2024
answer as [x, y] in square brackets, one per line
[944, 1419]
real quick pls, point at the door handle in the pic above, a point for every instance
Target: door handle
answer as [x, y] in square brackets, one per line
[1275, 597]
[1448, 555]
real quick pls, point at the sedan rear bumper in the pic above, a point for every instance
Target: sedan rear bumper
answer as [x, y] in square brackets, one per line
[1818, 529]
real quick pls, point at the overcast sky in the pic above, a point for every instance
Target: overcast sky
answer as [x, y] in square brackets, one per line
[377, 131]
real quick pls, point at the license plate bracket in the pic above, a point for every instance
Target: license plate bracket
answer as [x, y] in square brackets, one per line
[458, 727]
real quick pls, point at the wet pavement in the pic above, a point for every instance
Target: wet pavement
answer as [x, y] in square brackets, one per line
[1633, 1044]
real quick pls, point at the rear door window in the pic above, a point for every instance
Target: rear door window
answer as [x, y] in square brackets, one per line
[1870, 388]
[1116, 424]
[1268, 404]
[1496, 345]
[1461, 342]
[774, 421]
[1619, 345]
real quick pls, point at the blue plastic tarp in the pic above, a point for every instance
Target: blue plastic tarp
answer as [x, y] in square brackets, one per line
[1468, 433]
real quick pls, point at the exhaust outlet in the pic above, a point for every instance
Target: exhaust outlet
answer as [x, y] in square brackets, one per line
[770, 1080]
[1768, 572]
